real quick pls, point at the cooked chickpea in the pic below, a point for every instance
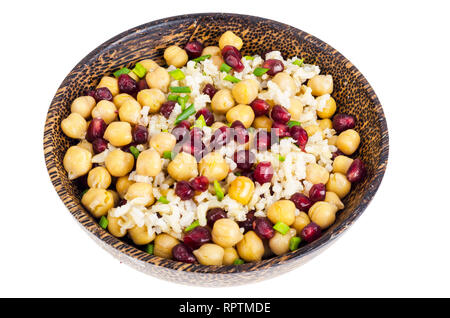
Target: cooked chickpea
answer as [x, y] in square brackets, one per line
[176, 56]
[130, 111]
[86, 145]
[282, 211]
[323, 214]
[348, 141]
[74, 126]
[162, 142]
[245, 91]
[341, 164]
[333, 199]
[296, 108]
[229, 256]
[222, 101]
[118, 133]
[210, 254]
[98, 201]
[114, 227]
[329, 109]
[244, 113]
[116, 197]
[229, 38]
[149, 65]
[217, 60]
[122, 185]
[279, 243]
[118, 100]
[285, 83]
[141, 191]
[213, 166]
[164, 243]
[315, 173]
[325, 124]
[226, 233]
[216, 125]
[241, 189]
[311, 130]
[140, 235]
[99, 177]
[148, 163]
[83, 105]
[110, 83]
[339, 184]
[301, 220]
[119, 163]
[105, 110]
[152, 97]
[321, 85]
[77, 162]
[332, 140]
[251, 247]
[183, 167]
[212, 50]
[262, 122]
[158, 78]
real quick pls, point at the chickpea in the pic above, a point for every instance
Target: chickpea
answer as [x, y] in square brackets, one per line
[262, 122]
[110, 83]
[162, 142]
[158, 78]
[210, 254]
[122, 185]
[140, 235]
[74, 126]
[105, 110]
[285, 83]
[114, 227]
[339, 184]
[241, 189]
[316, 173]
[325, 124]
[245, 91]
[152, 97]
[217, 60]
[282, 211]
[130, 111]
[164, 243]
[149, 65]
[118, 100]
[115, 196]
[222, 101]
[323, 214]
[229, 256]
[348, 141]
[300, 222]
[341, 164]
[176, 56]
[119, 163]
[86, 145]
[213, 166]
[251, 247]
[321, 85]
[118, 133]
[83, 105]
[141, 191]
[332, 140]
[279, 243]
[329, 109]
[148, 163]
[212, 50]
[217, 125]
[333, 199]
[99, 178]
[244, 113]
[226, 233]
[183, 167]
[311, 130]
[77, 162]
[229, 38]
[296, 108]
[98, 201]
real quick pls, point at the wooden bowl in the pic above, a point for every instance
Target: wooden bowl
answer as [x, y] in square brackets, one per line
[352, 92]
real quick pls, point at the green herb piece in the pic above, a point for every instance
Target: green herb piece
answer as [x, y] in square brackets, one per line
[192, 226]
[173, 97]
[249, 58]
[103, 222]
[180, 89]
[168, 155]
[164, 130]
[182, 100]
[260, 71]
[225, 68]
[251, 129]
[185, 114]
[219, 191]
[238, 262]
[237, 173]
[199, 122]
[134, 151]
[163, 199]
[202, 58]
[139, 70]
[177, 74]
[294, 243]
[281, 158]
[298, 62]
[281, 227]
[232, 79]
[293, 123]
[150, 248]
[123, 70]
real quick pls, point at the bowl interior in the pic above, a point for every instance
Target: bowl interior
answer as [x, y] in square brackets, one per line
[352, 93]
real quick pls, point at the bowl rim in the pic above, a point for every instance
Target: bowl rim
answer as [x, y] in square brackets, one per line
[139, 255]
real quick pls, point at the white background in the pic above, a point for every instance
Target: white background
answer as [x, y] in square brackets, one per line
[399, 247]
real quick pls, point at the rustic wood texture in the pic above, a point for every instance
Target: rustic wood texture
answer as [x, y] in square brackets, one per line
[352, 92]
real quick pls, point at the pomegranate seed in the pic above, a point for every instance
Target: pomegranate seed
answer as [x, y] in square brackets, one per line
[249, 174]
[264, 228]
[127, 84]
[232, 57]
[215, 214]
[280, 130]
[184, 190]
[185, 124]
[142, 84]
[209, 90]
[194, 49]
[311, 232]
[240, 133]
[196, 134]
[237, 124]
[229, 49]
[198, 236]
[262, 140]
[167, 108]
[140, 134]
[103, 93]
[317, 192]
[343, 122]
[200, 183]
[260, 107]
[274, 66]
[207, 115]
[244, 159]
[182, 253]
[180, 133]
[280, 114]
[337, 153]
[357, 171]
[122, 202]
[99, 145]
[220, 137]
[263, 172]
[301, 201]
[300, 136]
[96, 129]
[196, 149]
[248, 223]
[91, 93]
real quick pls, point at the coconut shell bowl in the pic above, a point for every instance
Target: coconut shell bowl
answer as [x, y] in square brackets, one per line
[352, 92]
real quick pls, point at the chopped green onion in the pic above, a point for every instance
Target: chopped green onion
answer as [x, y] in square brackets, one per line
[231, 79]
[163, 199]
[123, 70]
[281, 227]
[237, 173]
[192, 226]
[134, 151]
[219, 191]
[103, 222]
[294, 243]
[185, 114]
[199, 122]
[150, 248]
[238, 261]
[228, 124]
[225, 68]
[164, 130]
[172, 97]
[298, 62]
[202, 58]
[251, 129]
[168, 155]
[139, 70]
[180, 89]
[260, 71]
[182, 100]
[293, 123]
[177, 74]
[281, 158]
[249, 58]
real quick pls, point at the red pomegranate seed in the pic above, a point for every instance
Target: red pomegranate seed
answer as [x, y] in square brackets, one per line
[264, 228]
[317, 192]
[142, 84]
[232, 57]
[262, 140]
[244, 159]
[249, 174]
[209, 90]
[343, 122]
[274, 66]
[311, 232]
[182, 253]
[237, 124]
[280, 130]
[248, 223]
[301, 201]
[280, 114]
[357, 171]
[215, 214]
[207, 115]
[337, 153]
[300, 136]
[127, 84]
[103, 93]
[260, 107]
[91, 93]
[220, 137]
[180, 133]
[99, 145]
[194, 49]
[167, 108]
[122, 202]
[229, 49]
[184, 190]
[96, 129]
[140, 134]
[263, 172]
[198, 236]
[200, 183]
[240, 133]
